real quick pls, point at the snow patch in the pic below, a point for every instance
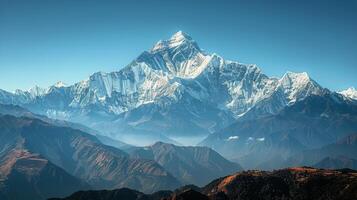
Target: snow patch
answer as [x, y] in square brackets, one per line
[59, 84]
[233, 137]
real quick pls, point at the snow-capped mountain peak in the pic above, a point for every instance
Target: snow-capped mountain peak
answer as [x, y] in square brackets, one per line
[180, 36]
[293, 80]
[180, 56]
[178, 39]
[298, 85]
[60, 84]
[301, 77]
[350, 93]
[37, 91]
[173, 81]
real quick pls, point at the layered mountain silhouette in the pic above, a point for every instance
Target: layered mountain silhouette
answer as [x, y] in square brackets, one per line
[288, 184]
[267, 141]
[83, 159]
[81, 155]
[190, 165]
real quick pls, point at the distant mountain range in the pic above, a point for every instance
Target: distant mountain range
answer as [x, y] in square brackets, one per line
[53, 158]
[82, 155]
[286, 184]
[175, 89]
[265, 142]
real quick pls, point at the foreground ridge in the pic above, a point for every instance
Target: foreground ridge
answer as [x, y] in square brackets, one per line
[291, 183]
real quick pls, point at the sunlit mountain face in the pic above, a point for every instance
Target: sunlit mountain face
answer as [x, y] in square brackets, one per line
[178, 115]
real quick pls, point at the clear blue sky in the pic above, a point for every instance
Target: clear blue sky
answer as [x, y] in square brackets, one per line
[42, 42]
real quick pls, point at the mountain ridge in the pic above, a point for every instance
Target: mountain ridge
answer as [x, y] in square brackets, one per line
[175, 73]
[82, 155]
[189, 164]
[311, 123]
[301, 183]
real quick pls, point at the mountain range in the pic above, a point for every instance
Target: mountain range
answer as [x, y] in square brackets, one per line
[265, 142]
[173, 116]
[45, 158]
[81, 155]
[173, 90]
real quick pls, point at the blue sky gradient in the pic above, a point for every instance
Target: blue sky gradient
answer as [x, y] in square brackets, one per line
[45, 41]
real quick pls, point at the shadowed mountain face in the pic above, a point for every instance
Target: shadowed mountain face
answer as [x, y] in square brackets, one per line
[82, 155]
[191, 165]
[310, 123]
[286, 184]
[28, 176]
